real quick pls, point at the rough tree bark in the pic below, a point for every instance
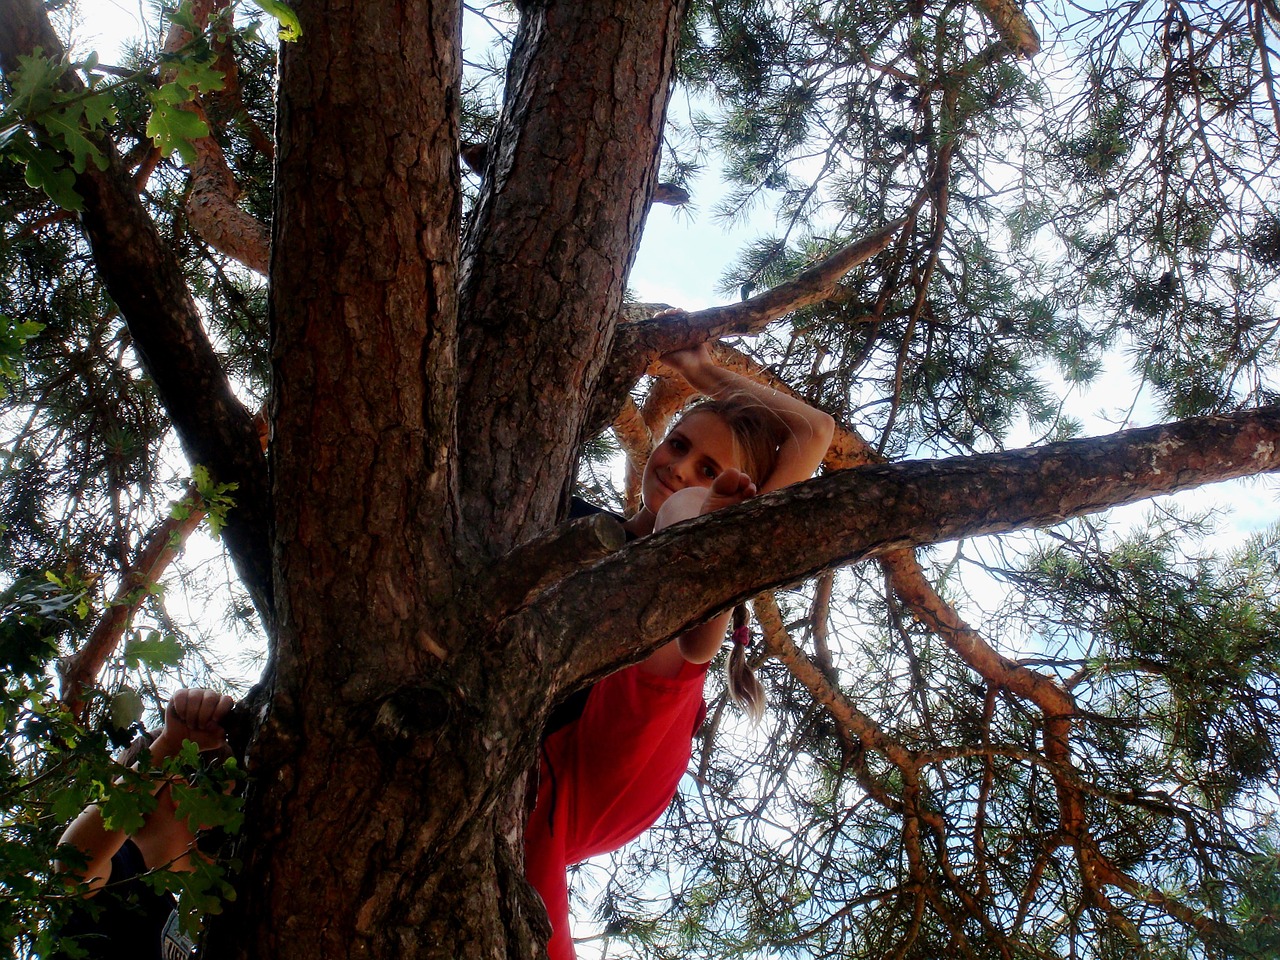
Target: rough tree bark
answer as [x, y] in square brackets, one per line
[429, 398]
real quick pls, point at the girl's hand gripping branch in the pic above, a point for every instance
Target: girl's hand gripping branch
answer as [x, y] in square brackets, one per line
[163, 839]
[195, 715]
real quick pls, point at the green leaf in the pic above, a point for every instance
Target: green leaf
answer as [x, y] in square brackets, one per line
[172, 94]
[201, 891]
[202, 76]
[126, 708]
[125, 805]
[203, 479]
[290, 27]
[67, 128]
[217, 503]
[156, 651]
[205, 806]
[173, 128]
[34, 83]
[99, 110]
[184, 17]
[46, 171]
[66, 803]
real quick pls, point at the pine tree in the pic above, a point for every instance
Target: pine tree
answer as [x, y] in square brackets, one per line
[431, 359]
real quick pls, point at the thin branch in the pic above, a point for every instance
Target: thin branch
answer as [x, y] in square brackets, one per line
[862, 727]
[636, 345]
[819, 616]
[659, 335]
[940, 189]
[160, 548]
[165, 542]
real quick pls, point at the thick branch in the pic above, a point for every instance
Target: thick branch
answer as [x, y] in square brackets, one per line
[144, 278]
[567, 185]
[211, 201]
[636, 440]
[212, 209]
[677, 577]
[533, 565]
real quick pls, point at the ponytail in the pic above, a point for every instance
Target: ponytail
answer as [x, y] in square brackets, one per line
[744, 688]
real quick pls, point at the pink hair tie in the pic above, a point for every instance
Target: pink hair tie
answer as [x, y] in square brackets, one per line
[742, 636]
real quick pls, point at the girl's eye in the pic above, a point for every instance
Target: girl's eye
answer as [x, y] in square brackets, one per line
[709, 472]
[677, 444]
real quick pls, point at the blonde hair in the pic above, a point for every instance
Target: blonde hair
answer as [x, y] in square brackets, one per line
[758, 434]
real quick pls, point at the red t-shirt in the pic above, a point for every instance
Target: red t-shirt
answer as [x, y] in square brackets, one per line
[606, 777]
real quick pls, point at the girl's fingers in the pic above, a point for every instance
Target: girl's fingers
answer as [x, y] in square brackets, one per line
[208, 704]
[199, 709]
[225, 703]
[733, 482]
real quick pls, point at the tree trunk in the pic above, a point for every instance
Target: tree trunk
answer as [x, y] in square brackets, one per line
[547, 252]
[427, 406]
[387, 813]
[364, 783]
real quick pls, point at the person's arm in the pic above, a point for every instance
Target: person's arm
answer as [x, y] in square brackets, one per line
[194, 715]
[810, 430]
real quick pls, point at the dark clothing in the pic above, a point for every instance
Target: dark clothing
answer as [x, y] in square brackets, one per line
[579, 508]
[127, 919]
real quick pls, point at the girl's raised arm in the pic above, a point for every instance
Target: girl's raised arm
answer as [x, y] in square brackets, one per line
[810, 430]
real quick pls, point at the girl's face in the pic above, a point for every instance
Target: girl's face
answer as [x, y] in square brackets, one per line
[696, 451]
